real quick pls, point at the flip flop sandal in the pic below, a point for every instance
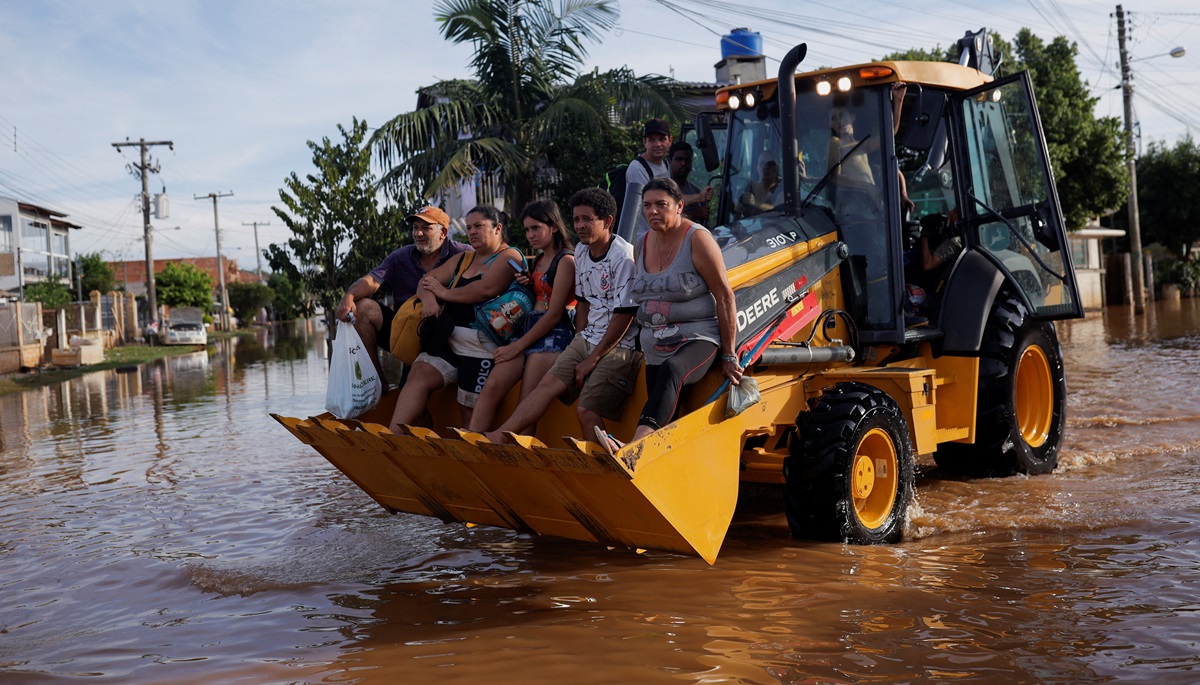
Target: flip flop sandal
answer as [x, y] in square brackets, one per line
[608, 442]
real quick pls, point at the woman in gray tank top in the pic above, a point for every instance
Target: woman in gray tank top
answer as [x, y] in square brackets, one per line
[684, 305]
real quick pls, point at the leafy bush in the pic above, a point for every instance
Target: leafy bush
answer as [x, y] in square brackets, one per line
[247, 298]
[180, 284]
[52, 293]
[1183, 272]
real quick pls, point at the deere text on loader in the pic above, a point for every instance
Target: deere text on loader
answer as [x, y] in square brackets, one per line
[864, 358]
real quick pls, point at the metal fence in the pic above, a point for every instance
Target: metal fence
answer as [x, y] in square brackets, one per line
[8, 325]
[23, 315]
[108, 318]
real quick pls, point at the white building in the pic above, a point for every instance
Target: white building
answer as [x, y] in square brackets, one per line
[35, 244]
[1088, 256]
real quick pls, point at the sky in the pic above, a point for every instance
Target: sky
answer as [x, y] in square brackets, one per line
[240, 87]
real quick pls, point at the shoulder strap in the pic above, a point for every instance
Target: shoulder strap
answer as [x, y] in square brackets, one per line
[464, 263]
[553, 270]
[649, 171]
[487, 262]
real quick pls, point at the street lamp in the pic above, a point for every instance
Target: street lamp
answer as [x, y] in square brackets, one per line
[1135, 227]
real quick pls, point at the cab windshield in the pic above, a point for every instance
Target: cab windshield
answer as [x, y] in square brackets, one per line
[842, 139]
[840, 136]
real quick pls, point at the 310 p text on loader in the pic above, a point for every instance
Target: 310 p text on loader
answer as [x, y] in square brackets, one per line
[859, 373]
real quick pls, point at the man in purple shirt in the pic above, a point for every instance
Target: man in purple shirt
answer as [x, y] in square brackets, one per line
[402, 270]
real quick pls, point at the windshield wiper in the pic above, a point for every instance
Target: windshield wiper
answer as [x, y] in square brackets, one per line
[829, 174]
[1017, 234]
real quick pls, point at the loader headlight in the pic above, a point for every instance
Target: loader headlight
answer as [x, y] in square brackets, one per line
[735, 101]
[824, 88]
[844, 83]
[750, 99]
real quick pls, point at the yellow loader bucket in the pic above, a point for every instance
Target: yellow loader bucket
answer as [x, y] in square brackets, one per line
[675, 490]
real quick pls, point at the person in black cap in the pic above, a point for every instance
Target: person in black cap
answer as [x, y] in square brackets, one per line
[656, 138]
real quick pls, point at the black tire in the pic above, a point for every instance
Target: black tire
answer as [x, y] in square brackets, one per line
[850, 473]
[1022, 398]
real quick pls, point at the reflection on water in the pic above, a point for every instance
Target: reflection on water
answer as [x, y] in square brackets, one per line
[156, 526]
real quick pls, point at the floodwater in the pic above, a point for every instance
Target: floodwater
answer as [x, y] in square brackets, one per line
[157, 527]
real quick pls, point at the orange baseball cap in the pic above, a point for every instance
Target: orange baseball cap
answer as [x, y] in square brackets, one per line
[431, 215]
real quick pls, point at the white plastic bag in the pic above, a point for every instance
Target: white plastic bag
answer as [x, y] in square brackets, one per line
[354, 385]
[742, 397]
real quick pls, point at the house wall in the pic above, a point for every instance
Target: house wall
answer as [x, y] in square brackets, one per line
[45, 244]
[9, 239]
[132, 274]
[1089, 273]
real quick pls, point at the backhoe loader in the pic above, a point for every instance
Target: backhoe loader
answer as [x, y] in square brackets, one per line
[867, 354]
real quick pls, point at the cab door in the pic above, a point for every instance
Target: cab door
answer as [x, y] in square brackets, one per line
[1010, 204]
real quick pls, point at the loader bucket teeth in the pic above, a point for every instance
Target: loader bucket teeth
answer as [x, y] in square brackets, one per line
[675, 491]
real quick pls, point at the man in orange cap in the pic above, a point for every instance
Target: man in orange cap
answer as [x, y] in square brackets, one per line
[402, 269]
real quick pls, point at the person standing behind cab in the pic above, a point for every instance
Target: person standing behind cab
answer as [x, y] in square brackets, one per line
[548, 328]
[402, 269]
[656, 141]
[684, 305]
[468, 357]
[695, 198]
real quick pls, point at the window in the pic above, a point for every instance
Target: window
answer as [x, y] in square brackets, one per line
[6, 242]
[1081, 255]
[34, 235]
[36, 265]
[58, 243]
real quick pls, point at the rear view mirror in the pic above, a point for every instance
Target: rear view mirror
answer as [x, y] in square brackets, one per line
[706, 142]
[927, 111]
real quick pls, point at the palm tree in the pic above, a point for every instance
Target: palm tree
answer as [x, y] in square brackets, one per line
[527, 91]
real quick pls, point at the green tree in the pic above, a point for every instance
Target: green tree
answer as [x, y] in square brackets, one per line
[1087, 153]
[247, 299]
[526, 92]
[1168, 206]
[291, 302]
[180, 284]
[339, 231]
[96, 274]
[581, 155]
[52, 293]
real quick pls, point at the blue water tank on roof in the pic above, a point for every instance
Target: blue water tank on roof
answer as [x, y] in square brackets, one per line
[741, 42]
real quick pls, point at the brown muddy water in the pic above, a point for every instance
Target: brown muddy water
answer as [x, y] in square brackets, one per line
[158, 527]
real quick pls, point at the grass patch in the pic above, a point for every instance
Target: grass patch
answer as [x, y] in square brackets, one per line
[128, 355]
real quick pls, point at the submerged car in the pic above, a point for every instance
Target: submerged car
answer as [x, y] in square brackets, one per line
[185, 326]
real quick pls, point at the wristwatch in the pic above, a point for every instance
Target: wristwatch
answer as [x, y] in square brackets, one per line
[729, 358]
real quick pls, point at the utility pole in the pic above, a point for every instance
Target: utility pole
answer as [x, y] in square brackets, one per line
[1135, 226]
[144, 168]
[220, 260]
[257, 252]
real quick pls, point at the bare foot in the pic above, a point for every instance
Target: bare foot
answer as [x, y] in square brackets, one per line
[497, 437]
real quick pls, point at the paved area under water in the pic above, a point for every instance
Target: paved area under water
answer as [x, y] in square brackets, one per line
[158, 527]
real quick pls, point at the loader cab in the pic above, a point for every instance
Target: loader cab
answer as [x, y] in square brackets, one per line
[847, 180]
[965, 146]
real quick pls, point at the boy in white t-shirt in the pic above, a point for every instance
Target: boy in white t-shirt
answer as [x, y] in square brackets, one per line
[600, 366]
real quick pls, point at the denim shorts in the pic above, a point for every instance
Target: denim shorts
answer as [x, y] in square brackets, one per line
[555, 341]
